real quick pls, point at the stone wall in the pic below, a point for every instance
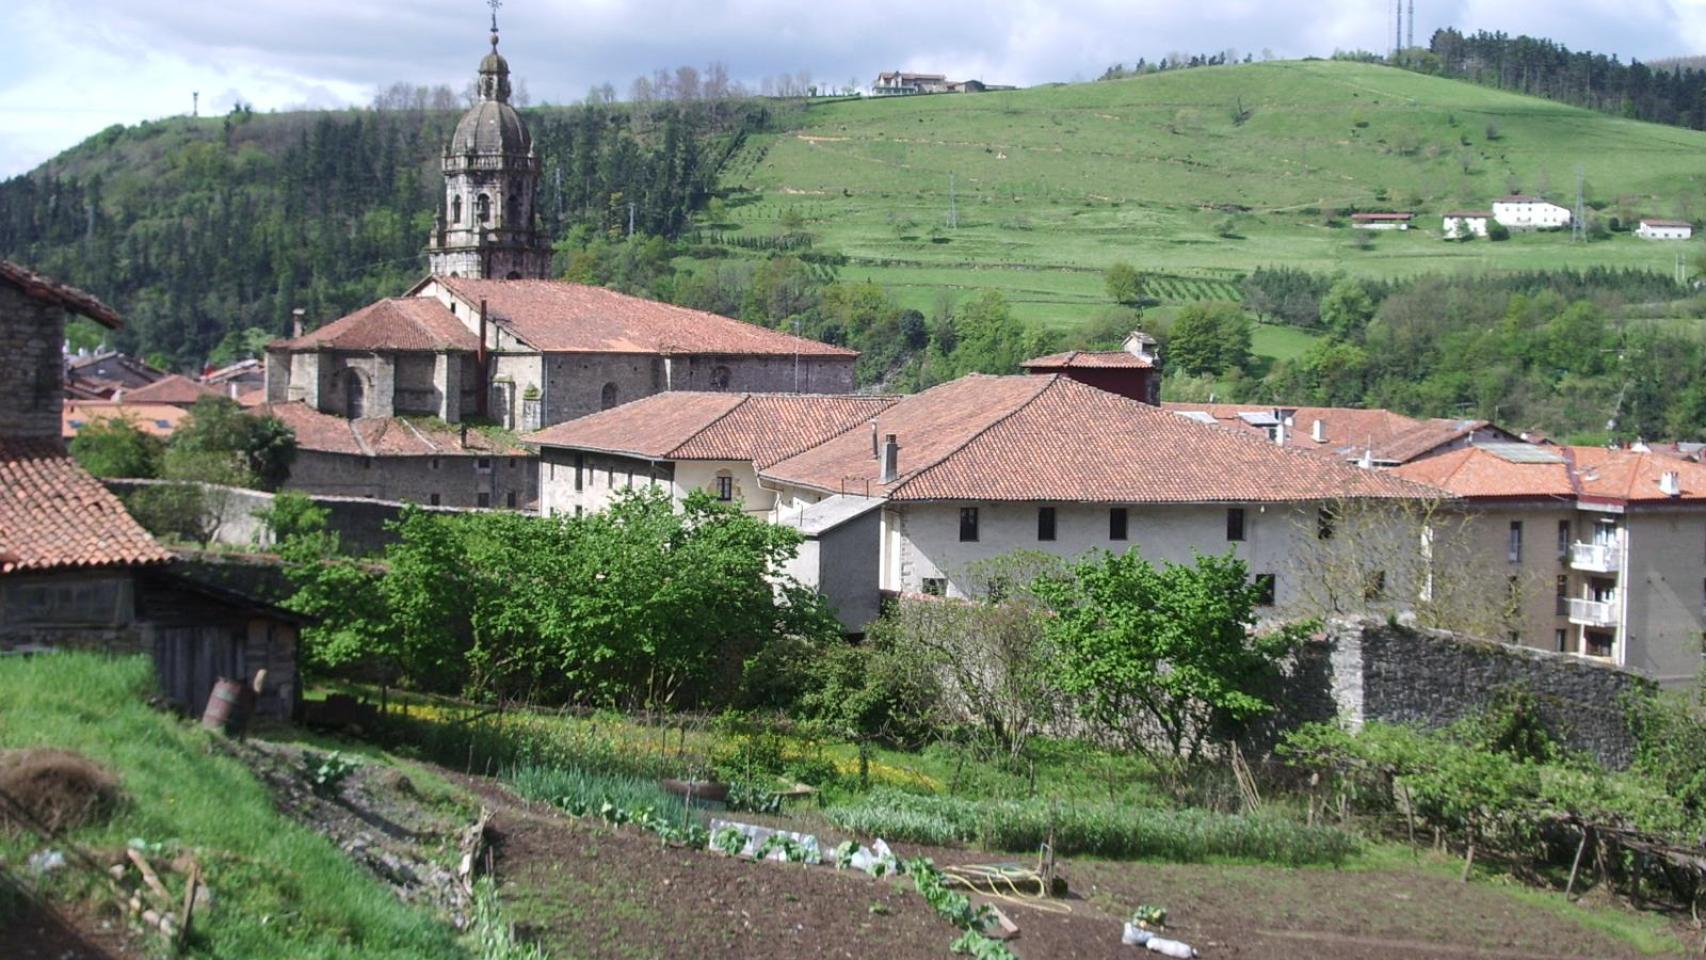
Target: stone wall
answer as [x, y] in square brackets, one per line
[1364, 670]
[30, 392]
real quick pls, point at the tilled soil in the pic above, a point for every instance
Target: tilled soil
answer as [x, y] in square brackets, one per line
[37, 932]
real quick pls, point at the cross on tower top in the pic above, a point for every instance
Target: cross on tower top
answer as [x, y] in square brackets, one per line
[494, 4]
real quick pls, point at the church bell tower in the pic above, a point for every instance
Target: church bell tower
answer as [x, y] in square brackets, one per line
[486, 228]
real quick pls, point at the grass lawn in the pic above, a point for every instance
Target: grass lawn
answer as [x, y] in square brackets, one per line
[279, 889]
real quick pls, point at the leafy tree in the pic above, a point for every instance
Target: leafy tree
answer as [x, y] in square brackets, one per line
[868, 694]
[1165, 653]
[989, 338]
[291, 515]
[1210, 338]
[117, 447]
[220, 443]
[1346, 309]
[1124, 283]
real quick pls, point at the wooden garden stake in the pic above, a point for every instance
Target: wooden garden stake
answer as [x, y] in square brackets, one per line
[1576, 863]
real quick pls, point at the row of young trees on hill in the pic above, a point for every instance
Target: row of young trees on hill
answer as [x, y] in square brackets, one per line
[202, 233]
[1674, 95]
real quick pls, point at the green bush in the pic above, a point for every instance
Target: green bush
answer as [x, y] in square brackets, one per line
[1104, 830]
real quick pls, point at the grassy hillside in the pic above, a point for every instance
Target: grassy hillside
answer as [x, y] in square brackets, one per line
[279, 889]
[1053, 184]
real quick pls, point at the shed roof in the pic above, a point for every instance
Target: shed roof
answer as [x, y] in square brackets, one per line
[55, 516]
[46, 290]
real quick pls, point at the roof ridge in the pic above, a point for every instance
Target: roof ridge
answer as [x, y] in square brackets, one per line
[360, 441]
[745, 398]
[416, 431]
[1049, 381]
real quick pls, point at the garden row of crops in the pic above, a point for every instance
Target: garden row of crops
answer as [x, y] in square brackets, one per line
[1176, 289]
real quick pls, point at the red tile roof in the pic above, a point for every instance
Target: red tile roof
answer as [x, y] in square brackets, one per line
[400, 323]
[1650, 222]
[383, 436]
[1050, 438]
[1627, 476]
[558, 317]
[686, 425]
[159, 419]
[1088, 359]
[54, 515]
[171, 388]
[251, 367]
[37, 287]
[1479, 473]
[1481, 214]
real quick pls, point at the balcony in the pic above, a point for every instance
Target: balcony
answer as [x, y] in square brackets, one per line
[1596, 557]
[1593, 613]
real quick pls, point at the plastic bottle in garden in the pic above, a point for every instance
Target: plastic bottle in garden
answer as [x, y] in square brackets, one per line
[1171, 948]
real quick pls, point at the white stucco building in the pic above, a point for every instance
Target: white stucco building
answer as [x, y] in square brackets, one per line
[1530, 213]
[1458, 224]
[1651, 229]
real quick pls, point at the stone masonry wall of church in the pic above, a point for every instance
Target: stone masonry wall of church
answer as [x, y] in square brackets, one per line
[30, 338]
[575, 381]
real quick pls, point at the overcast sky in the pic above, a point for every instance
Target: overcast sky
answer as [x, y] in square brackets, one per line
[73, 67]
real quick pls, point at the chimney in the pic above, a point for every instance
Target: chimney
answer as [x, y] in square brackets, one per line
[876, 446]
[891, 460]
[296, 316]
[231, 388]
[1670, 483]
[1318, 432]
[1366, 461]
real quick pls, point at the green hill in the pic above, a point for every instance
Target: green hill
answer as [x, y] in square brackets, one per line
[1199, 174]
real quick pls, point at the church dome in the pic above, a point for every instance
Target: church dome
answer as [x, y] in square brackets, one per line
[492, 127]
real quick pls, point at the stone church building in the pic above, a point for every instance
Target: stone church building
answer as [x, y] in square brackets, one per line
[488, 337]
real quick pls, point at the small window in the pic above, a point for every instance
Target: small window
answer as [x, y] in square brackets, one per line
[719, 378]
[435, 463]
[432, 499]
[455, 212]
[509, 499]
[1324, 520]
[483, 208]
[936, 586]
[968, 524]
[580, 465]
[367, 463]
[1513, 547]
[1117, 523]
[1235, 524]
[725, 489]
[1374, 586]
[512, 463]
[607, 397]
[1562, 595]
[482, 500]
[483, 463]
[1563, 539]
[1561, 638]
[1266, 583]
[1045, 523]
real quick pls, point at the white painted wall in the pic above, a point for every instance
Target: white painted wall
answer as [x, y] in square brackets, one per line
[1648, 232]
[1538, 215]
[1455, 228]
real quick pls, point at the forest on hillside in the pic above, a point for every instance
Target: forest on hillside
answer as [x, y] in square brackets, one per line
[206, 233]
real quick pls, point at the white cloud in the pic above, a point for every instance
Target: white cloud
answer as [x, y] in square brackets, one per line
[91, 63]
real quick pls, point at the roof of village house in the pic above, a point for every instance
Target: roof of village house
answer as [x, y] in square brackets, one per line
[158, 419]
[399, 323]
[1482, 473]
[1521, 198]
[242, 368]
[102, 373]
[54, 515]
[688, 425]
[1089, 360]
[1650, 222]
[385, 436]
[1633, 477]
[557, 317]
[1347, 432]
[40, 288]
[172, 388]
[1051, 438]
[1470, 214]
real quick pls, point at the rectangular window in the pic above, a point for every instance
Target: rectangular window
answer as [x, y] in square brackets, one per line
[1598, 644]
[968, 524]
[725, 488]
[483, 500]
[1324, 524]
[435, 463]
[580, 466]
[1117, 523]
[1561, 637]
[432, 499]
[1374, 585]
[512, 462]
[1513, 547]
[1235, 524]
[509, 499]
[936, 586]
[483, 463]
[1045, 523]
[1563, 539]
[1563, 595]
[1265, 586]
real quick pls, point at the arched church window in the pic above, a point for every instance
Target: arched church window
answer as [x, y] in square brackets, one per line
[456, 210]
[483, 208]
[719, 378]
[607, 397]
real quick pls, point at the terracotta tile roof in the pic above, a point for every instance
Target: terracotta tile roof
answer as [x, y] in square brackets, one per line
[1627, 476]
[1482, 214]
[1650, 222]
[688, 425]
[1088, 359]
[37, 287]
[54, 515]
[1050, 438]
[242, 369]
[1427, 437]
[252, 397]
[172, 388]
[1346, 431]
[400, 323]
[1478, 472]
[558, 317]
[158, 419]
[383, 436]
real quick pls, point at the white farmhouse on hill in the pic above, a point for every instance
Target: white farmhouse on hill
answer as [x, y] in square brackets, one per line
[1530, 213]
[1651, 229]
[1465, 223]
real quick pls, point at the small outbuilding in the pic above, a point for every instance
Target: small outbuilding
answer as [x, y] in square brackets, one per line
[1393, 220]
[1458, 224]
[1651, 229]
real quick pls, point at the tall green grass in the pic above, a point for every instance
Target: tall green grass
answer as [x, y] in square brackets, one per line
[280, 890]
[1102, 830]
[587, 791]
